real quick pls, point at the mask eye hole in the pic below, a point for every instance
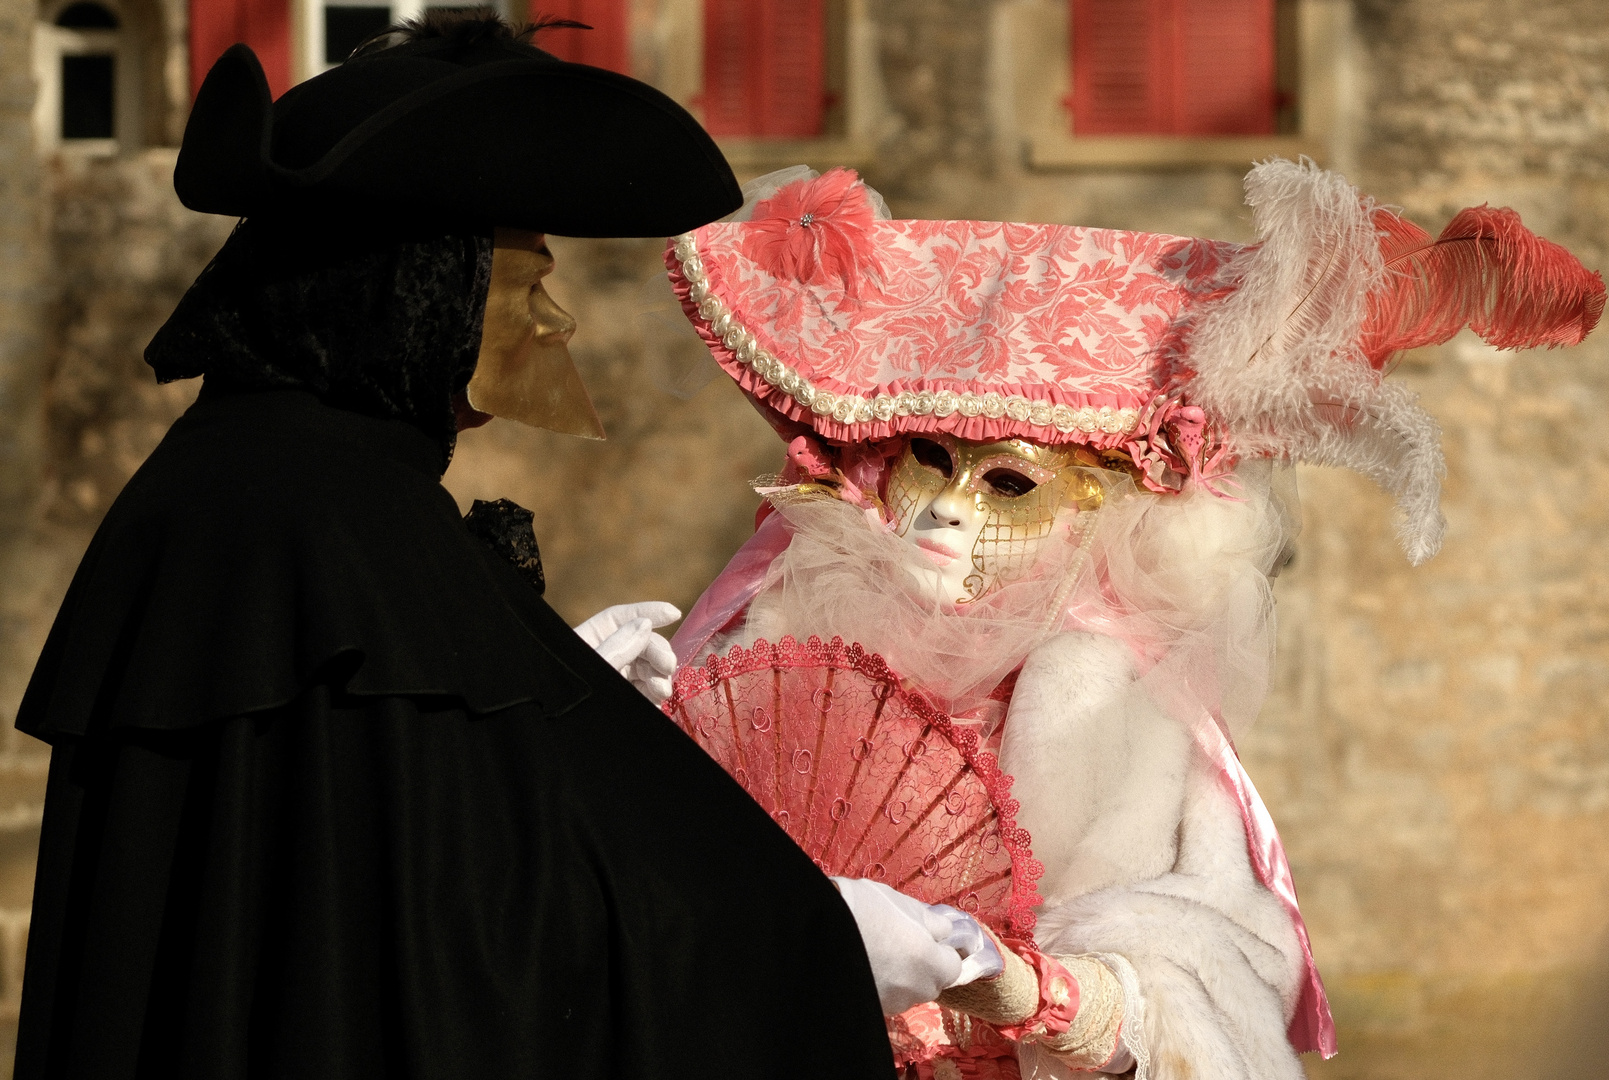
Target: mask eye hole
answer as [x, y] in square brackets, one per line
[1008, 482]
[934, 456]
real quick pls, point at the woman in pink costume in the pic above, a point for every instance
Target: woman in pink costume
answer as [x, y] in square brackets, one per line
[1035, 468]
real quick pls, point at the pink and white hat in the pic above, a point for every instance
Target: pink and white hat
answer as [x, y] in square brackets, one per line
[1185, 353]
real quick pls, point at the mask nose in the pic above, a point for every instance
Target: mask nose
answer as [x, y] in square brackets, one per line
[943, 510]
[551, 325]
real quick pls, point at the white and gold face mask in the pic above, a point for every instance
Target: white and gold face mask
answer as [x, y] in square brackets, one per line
[980, 511]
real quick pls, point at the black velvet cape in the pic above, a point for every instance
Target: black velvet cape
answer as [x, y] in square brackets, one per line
[334, 794]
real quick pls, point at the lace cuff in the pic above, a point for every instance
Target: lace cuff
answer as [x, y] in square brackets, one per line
[1009, 998]
[1092, 1040]
[1071, 1006]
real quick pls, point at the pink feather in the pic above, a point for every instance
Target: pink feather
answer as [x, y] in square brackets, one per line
[1485, 271]
[814, 230]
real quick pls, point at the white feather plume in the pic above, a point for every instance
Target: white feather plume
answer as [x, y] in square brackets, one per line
[1279, 363]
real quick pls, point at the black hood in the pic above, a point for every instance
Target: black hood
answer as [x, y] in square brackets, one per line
[378, 323]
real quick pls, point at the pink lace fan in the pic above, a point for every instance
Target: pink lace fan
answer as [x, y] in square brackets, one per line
[865, 775]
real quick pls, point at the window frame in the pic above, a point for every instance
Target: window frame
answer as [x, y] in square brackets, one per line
[852, 75]
[307, 26]
[1312, 52]
[50, 44]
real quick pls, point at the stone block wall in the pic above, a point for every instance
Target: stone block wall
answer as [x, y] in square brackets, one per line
[1437, 748]
[24, 266]
[112, 251]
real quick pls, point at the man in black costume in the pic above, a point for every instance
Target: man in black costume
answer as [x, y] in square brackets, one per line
[333, 792]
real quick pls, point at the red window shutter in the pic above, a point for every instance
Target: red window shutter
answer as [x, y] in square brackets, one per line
[1120, 66]
[265, 25]
[1225, 71]
[1173, 67]
[606, 45]
[729, 28]
[764, 68]
[792, 94]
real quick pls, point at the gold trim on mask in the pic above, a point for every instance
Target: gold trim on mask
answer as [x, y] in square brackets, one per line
[1008, 542]
[524, 371]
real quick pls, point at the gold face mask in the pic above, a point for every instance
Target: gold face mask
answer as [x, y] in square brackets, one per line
[1009, 492]
[525, 372]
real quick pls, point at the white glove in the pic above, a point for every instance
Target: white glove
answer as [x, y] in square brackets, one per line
[980, 957]
[917, 950]
[624, 636]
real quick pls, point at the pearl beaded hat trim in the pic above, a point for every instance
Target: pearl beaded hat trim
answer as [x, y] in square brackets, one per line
[855, 409]
[863, 328]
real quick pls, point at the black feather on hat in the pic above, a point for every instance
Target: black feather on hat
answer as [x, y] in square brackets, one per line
[477, 129]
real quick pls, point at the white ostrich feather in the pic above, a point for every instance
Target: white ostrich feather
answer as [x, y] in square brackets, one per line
[1278, 362]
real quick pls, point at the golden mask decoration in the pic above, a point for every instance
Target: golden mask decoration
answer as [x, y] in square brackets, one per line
[525, 372]
[1009, 491]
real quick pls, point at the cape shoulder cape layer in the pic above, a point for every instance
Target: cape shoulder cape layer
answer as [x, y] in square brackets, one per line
[267, 538]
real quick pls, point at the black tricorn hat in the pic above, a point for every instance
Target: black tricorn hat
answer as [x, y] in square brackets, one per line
[477, 129]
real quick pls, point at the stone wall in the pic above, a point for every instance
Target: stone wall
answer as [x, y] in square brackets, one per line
[23, 439]
[1438, 747]
[1434, 747]
[113, 252]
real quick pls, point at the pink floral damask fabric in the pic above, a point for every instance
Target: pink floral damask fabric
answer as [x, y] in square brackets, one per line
[980, 305]
[853, 312]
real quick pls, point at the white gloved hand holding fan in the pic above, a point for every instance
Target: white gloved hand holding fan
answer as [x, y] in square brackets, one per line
[917, 950]
[624, 636]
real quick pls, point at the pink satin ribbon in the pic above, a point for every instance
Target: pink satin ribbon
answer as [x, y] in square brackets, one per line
[732, 590]
[1312, 1027]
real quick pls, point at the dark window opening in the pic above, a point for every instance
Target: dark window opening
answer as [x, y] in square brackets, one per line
[462, 9]
[87, 101]
[1287, 73]
[86, 16]
[345, 28]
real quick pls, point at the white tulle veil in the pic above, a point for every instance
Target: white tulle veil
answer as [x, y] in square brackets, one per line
[1184, 579]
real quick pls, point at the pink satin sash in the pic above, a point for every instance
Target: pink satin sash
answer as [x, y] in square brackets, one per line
[1312, 1027]
[732, 590]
